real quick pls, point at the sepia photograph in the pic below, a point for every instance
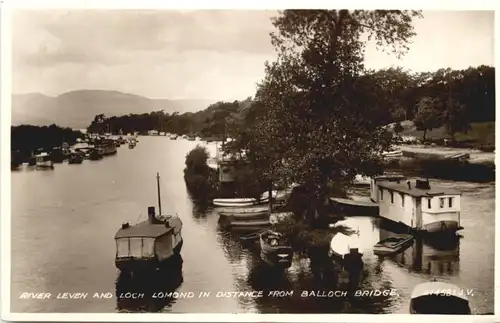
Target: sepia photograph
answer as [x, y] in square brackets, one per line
[264, 161]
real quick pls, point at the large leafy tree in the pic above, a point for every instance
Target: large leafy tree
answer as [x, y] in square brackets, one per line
[321, 121]
[429, 114]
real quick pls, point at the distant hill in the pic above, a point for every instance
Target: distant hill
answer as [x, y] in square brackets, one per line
[77, 109]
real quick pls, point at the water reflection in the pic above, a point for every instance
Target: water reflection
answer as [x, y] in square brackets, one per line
[433, 256]
[148, 292]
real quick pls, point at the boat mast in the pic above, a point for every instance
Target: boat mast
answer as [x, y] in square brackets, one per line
[159, 198]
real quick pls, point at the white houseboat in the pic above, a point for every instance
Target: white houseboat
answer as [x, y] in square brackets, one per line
[418, 205]
[43, 160]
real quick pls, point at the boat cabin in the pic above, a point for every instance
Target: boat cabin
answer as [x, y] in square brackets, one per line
[419, 206]
[148, 243]
[374, 192]
[439, 298]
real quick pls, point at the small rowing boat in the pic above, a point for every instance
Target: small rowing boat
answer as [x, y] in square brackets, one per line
[392, 245]
[247, 212]
[275, 250]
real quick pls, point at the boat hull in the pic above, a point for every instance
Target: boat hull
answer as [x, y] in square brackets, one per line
[385, 249]
[245, 216]
[45, 165]
[441, 226]
[279, 256]
[240, 204]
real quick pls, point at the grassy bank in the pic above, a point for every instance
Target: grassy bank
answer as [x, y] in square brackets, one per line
[480, 136]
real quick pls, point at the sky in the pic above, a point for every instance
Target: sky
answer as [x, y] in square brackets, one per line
[215, 55]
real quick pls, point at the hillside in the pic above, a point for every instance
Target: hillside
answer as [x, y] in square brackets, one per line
[77, 109]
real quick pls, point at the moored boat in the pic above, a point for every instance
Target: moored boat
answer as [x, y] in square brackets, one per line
[149, 244]
[439, 298]
[354, 207]
[247, 212]
[246, 224]
[345, 251]
[75, 158]
[417, 205]
[106, 147]
[239, 202]
[275, 249]
[95, 155]
[392, 245]
[43, 160]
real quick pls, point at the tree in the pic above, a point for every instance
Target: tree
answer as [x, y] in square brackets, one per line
[456, 118]
[428, 115]
[322, 114]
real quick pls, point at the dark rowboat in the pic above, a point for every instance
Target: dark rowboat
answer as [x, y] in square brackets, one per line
[76, 158]
[275, 250]
[392, 245]
[95, 155]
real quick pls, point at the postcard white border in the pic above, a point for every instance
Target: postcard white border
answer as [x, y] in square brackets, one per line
[5, 223]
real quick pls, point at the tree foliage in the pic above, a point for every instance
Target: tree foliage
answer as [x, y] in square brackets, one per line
[27, 138]
[428, 114]
[321, 118]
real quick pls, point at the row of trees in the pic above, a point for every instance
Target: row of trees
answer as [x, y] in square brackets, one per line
[453, 98]
[28, 138]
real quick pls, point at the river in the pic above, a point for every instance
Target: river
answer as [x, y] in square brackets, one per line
[64, 221]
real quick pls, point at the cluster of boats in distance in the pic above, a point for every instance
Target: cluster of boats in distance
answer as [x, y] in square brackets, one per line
[93, 147]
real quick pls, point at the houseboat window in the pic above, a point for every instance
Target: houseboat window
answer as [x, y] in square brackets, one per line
[136, 247]
[122, 247]
[450, 202]
[441, 202]
[392, 197]
[402, 199]
[381, 194]
[429, 206]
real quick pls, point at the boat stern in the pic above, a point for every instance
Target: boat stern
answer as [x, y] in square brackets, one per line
[131, 264]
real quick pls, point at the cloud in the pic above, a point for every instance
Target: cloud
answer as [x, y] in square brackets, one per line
[51, 37]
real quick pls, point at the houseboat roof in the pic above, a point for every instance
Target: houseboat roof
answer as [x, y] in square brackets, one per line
[402, 187]
[143, 229]
[436, 287]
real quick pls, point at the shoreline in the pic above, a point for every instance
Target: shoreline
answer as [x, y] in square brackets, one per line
[423, 152]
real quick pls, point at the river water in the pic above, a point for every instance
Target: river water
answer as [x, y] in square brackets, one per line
[64, 221]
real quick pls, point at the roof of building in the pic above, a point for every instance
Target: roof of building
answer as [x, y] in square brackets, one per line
[402, 187]
[143, 229]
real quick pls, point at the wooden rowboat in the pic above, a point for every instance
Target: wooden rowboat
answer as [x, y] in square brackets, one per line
[275, 250]
[245, 213]
[245, 202]
[392, 245]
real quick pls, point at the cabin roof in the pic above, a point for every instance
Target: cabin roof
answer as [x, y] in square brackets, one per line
[402, 187]
[437, 287]
[143, 229]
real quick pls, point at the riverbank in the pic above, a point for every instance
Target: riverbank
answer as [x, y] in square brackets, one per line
[476, 156]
